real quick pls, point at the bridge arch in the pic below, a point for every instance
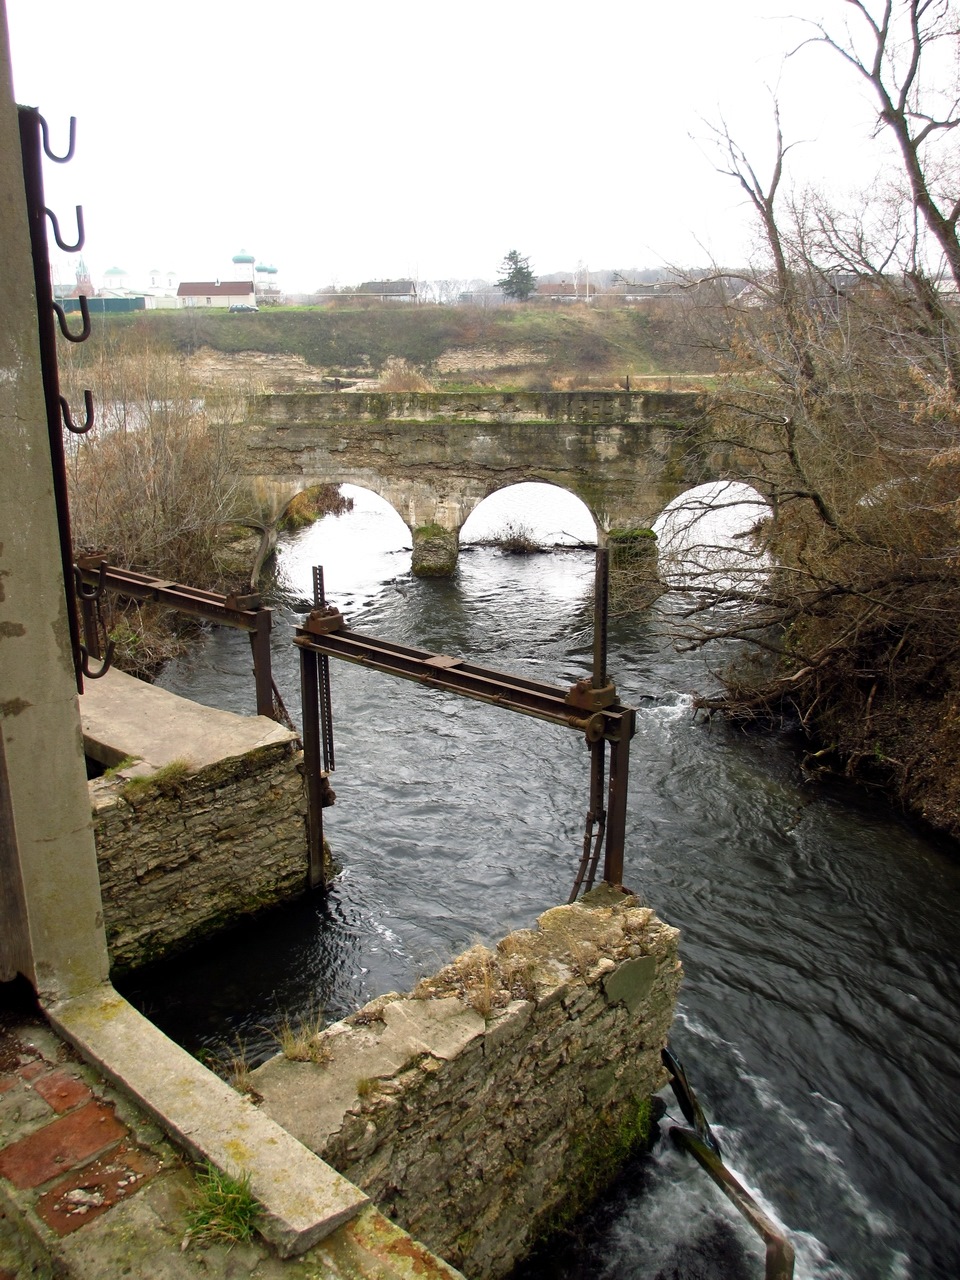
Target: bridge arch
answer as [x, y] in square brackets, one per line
[351, 548]
[702, 535]
[548, 509]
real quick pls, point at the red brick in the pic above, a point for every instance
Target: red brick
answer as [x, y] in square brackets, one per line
[62, 1090]
[30, 1070]
[6, 1084]
[61, 1145]
[91, 1191]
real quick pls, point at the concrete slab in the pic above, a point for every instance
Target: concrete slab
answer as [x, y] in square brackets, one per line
[303, 1199]
[310, 1099]
[124, 717]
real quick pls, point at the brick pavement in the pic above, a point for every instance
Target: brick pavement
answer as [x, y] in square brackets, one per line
[66, 1156]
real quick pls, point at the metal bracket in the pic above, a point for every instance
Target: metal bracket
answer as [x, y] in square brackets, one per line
[585, 696]
[324, 620]
[67, 248]
[105, 666]
[72, 140]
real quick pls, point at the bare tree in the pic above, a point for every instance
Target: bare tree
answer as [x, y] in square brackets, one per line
[837, 401]
[919, 103]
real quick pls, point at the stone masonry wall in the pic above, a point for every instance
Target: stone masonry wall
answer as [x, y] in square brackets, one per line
[181, 858]
[486, 1108]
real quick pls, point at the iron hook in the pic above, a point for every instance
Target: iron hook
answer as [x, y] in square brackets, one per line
[91, 593]
[84, 333]
[46, 141]
[68, 420]
[104, 666]
[67, 248]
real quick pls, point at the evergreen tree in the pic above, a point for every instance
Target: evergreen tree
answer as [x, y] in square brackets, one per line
[516, 278]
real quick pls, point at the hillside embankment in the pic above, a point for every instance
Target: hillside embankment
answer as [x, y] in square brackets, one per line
[512, 348]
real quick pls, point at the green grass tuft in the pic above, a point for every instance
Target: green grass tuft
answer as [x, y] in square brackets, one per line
[223, 1208]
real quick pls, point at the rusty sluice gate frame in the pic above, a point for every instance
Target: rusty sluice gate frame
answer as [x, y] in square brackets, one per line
[590, 706]
[94, 575]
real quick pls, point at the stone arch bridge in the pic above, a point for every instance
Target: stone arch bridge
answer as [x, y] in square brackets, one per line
[434, 456]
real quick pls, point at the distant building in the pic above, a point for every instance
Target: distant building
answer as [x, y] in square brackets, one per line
[116, 283]
[389, 290]
[563, 291]
[217, 293]
[162, 282]
[268, 289]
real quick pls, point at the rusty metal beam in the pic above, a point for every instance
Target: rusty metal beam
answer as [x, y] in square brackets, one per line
[574, 708]
[243, 613]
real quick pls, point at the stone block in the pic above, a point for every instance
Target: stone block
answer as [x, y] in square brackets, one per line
[631, 982]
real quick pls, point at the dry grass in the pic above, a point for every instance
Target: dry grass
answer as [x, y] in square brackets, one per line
[301, 1042]
[398, 375]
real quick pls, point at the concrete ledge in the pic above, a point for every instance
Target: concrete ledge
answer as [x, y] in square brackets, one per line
[303, 1199]
[313, 1102]
[124, 717]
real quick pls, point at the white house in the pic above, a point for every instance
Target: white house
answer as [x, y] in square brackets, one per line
[217, 293]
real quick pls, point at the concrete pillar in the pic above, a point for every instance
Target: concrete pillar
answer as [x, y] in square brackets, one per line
[435, 551]
[49, 885]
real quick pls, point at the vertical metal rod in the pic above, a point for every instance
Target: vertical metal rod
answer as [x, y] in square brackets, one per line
[617, 809]
[262, 670]
[323, 676]
[311, 766]
[326, 714]
[600, 614]
[30, 150]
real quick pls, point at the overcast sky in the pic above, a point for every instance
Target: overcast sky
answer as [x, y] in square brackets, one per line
[369, 139]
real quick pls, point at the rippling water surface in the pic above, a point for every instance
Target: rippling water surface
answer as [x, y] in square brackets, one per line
[818, 1014]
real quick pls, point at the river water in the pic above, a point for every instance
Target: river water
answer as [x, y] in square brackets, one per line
[817, 1018]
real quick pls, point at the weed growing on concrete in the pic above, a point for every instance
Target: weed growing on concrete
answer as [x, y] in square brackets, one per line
[583, 955]
[519, 972]
[367, 1085]
[223, 1207]
[301, 1042]
[238, 1070]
